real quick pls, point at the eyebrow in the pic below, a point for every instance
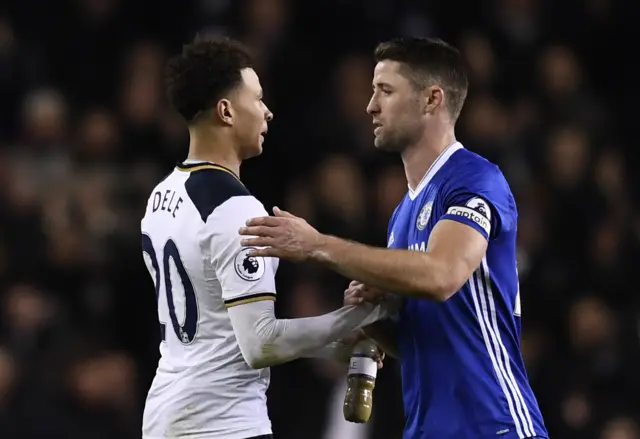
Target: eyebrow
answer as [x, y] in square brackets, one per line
[382, 85]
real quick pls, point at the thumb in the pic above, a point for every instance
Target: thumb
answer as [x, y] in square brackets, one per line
[282, 213]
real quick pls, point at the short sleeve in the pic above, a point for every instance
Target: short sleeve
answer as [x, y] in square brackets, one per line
[243, 278]
[479, 196]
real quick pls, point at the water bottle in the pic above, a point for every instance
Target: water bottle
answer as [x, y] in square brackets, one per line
[361, 380]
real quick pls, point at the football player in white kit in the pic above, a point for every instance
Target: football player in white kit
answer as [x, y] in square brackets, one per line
[215, 302]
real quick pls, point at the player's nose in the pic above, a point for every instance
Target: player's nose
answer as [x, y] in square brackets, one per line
[268, 115]
[373, 107]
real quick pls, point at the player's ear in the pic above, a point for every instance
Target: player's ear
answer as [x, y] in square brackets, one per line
[434, 97]
[224, 110]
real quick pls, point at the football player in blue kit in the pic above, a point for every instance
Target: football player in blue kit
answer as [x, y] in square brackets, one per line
[451, 258]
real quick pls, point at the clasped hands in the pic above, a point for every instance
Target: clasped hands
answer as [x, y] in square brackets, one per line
[287, 236]
[356, 294]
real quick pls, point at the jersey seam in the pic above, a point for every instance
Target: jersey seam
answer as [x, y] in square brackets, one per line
[249, 298]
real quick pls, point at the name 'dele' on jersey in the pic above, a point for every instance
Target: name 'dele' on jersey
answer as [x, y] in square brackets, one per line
[168, 202]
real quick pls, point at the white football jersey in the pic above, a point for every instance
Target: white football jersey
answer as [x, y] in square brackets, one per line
[203, 388]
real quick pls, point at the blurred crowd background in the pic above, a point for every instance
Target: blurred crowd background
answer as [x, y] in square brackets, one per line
[85, 133]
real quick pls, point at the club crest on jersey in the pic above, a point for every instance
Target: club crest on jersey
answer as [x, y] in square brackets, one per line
[249, 268]
[423, 218]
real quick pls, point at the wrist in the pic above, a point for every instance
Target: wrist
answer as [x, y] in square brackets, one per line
[320, 251]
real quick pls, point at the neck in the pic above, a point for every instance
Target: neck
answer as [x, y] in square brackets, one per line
[215, 147]
[419, 157]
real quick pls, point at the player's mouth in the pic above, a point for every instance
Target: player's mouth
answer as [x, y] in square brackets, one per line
[377, 127]
[263, 133]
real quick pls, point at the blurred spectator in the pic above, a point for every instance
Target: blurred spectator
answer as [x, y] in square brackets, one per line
[85, 133]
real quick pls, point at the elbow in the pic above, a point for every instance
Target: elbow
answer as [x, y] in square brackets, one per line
[251, 358]
[255, 337]
[255, 360]
[261, 356]
[442, 293]
[442, 286]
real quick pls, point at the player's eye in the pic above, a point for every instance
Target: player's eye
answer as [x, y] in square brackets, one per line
[380, 90]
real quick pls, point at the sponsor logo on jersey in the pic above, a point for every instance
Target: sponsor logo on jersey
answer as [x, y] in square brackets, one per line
[249, 268]
[471, 215]
[418, 247]
[423, 218]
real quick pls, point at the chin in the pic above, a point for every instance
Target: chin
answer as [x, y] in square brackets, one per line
[380, 144]
[253, 152]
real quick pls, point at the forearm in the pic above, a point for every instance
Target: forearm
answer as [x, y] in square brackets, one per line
[267, 341]
[408, 273]
[336, 351]
[385, 334]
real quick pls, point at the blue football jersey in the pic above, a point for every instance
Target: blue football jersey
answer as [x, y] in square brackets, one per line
[463, 376]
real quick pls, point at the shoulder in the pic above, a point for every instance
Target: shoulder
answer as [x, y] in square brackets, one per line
[473, 183]
[209, 189]
[474, 173]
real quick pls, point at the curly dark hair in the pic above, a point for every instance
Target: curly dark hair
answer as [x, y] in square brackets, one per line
[430, 61]
[202, 74]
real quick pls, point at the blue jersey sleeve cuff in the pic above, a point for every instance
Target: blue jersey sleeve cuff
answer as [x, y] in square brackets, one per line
[471, 218]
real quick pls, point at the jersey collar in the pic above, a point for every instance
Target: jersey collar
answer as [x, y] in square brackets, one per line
[434, 168]
[197, 165]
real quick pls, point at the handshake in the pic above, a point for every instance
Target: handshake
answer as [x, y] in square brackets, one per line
[355, 294]
[358, 293]
[361, 379]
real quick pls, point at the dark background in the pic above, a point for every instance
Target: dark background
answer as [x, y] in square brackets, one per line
[85, 133]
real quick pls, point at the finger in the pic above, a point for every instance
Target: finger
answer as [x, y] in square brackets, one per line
[269, 221]
[282, 213]
[264, 252]
[357, 289]
[353, 301]
[257, 231]
[354, 283]
[257, 242]
[351, 292]
[354, 293]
